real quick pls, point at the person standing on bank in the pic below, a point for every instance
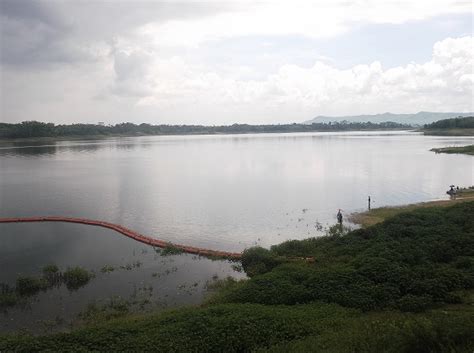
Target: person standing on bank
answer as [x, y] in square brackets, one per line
[339, 216]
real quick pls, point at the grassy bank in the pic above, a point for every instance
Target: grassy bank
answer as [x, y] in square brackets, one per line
[448, 132]
[462, 149]
[403, 285]
[378, 215]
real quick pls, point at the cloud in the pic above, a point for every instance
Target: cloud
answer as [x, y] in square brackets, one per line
[44, 34]
[445, 83]
[39, 33]
[150, 61]
[35, 35]
[304, 18]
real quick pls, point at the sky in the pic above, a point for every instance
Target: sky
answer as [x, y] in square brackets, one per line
[224, 62]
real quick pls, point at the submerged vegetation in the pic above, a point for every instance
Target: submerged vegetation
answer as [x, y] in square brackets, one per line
[461, 149]
[33, 129]
[76, 277]
[27, 286]
[403, 285]
[171, 249]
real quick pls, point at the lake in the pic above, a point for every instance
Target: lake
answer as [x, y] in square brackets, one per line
[224, 192]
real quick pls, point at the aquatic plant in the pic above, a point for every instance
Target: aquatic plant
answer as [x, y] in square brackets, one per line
[107, 269]
[76, 277]
[28, 285]
[8, 299]
[50, 269]
[171, 249]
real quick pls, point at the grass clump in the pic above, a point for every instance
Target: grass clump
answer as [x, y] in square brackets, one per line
[107, 269]
[8, 299]
[28, 285]
[171, 249]
[76, 277]
[115, 307]
[50, 269]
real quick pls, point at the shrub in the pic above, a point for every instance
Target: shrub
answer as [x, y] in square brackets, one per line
[258, 260]
[414, 303]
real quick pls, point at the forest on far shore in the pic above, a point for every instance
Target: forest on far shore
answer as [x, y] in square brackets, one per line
[32, 129]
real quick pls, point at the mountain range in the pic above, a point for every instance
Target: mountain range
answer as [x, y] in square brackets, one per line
[419, 118]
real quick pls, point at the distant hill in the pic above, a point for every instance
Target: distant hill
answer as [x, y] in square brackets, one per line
[420, 118]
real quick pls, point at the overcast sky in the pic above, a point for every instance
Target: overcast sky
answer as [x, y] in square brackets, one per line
[226, 62]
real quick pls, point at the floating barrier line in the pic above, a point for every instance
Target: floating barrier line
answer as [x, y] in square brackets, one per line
[129, 233]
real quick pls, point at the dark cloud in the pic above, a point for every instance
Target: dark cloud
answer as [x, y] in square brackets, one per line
[43, 34]
[26, 10]
[32, 34]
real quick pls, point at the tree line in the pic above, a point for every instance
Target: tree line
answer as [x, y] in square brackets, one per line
[454, 123]
[27, 129]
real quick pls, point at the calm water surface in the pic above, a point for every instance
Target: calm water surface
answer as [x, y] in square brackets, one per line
[222, 192]
[227, 192]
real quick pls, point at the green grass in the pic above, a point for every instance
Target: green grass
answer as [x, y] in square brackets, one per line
[461, 150]
[404, 285]
[378, 215]
[437, 331]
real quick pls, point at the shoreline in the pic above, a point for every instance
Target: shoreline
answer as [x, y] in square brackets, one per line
[377, 215]
[447, 132]
[101, 137]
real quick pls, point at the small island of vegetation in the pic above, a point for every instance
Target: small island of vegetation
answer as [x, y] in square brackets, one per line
[402, 285]
[458, 149]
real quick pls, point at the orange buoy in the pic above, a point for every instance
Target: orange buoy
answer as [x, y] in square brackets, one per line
[129, 233]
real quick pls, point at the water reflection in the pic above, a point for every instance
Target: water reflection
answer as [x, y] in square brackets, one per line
[228, 191]
[39, 149]
[139, 273]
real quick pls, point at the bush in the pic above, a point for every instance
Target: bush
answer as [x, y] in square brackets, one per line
[258, 260]
[414, 303]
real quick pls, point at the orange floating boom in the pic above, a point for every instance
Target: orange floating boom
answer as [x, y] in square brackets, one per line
[129, 233]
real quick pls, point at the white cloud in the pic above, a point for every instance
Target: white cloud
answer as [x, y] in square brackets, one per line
[305, 18]
[445, 83]
[149, 62]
